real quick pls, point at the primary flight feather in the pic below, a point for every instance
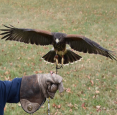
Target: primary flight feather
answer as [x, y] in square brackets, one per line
[59, 54]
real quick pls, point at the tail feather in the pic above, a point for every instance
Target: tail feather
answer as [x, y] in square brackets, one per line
[49, 56]
[66, 59]
[69, 57]
[50, 59]
[74, 56]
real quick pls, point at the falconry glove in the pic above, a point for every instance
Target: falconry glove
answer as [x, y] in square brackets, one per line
[36, 88]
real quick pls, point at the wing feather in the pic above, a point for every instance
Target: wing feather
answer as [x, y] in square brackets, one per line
[83, 44]
[32, 36]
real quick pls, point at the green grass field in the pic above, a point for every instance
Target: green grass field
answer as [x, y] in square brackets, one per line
[91, 84]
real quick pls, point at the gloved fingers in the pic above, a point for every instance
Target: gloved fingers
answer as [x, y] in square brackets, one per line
[53, 88]
[60, 87]
[54, 78]
[49, 84]
[56, 83]
[50, 94]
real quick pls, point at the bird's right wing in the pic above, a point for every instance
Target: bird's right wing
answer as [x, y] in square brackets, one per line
[83, 44]
[32, 36]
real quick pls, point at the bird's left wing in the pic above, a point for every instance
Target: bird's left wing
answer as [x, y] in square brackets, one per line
[32, 36]
[83, 44]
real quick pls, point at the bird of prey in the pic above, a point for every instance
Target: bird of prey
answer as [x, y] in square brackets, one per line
[59, 54]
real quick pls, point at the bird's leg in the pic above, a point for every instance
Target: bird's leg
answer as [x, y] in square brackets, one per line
[62, 61]
[56, 58]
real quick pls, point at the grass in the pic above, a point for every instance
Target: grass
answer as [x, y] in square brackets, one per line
[91, 84]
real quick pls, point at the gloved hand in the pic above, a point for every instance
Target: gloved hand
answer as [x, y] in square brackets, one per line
[36, 88]
[49, 84]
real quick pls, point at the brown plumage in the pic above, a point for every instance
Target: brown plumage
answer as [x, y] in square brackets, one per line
[60, 53]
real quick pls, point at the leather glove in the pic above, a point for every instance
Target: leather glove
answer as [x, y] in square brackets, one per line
[36, 88]
[49, 84]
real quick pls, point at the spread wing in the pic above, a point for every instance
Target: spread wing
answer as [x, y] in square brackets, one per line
[32, 36]
[83, 44]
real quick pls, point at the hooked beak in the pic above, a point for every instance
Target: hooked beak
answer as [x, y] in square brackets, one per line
[57, 40]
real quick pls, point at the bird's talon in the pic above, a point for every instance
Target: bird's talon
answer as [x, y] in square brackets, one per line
[59, 67]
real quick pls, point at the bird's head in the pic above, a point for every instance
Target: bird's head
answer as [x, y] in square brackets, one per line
[58, 37]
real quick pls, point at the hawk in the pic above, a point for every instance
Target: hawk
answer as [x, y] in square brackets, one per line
[59, 54]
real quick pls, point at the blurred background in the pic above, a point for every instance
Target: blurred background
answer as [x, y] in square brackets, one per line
[91, 84]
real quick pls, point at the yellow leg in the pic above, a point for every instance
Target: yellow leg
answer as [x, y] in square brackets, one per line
[57, 62]
[62, 60]
[56, 59]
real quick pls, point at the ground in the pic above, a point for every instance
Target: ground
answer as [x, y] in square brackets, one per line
[91, 84]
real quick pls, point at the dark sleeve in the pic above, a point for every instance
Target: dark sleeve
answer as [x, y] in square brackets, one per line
[9, 92]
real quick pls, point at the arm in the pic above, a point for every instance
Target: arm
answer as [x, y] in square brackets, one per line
[9, 92]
